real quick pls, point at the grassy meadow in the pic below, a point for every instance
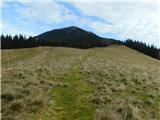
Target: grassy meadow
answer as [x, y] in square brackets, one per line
[57, 83]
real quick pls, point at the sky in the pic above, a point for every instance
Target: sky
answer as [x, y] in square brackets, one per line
[134, 19]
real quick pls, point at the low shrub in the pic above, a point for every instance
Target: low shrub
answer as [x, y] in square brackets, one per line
[7, 97]
[16, 106]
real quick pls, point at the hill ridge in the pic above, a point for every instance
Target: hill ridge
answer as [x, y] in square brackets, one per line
[72, 36]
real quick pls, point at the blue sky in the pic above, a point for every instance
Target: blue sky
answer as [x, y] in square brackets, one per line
[107, 18]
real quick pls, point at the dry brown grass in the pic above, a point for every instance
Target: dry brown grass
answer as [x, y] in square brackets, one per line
[127, 83]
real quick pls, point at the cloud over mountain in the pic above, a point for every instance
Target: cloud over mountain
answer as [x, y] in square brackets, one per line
[120, 20]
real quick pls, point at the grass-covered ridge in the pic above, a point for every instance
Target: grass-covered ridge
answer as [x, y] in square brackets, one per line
[113, 83]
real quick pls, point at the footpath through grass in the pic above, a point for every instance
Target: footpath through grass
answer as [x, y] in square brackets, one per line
[73, 102]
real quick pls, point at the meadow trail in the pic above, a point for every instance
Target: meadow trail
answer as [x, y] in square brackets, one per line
[72, 100]
[57, 83]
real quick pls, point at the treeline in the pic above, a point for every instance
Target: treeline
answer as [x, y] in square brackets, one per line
[17, 41]
[150, 50]
[20, 41]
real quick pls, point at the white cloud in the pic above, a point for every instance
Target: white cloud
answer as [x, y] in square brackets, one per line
[128, 18]
[101, 27]
[86, 0]
[13, 30]
[45, 12]
[35, 14]
[135, 20]
[26, 1]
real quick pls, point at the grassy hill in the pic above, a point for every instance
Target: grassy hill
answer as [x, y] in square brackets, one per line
[111, 83]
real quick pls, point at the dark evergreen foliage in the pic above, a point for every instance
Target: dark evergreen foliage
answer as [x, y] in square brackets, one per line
[73, 37]
[150, 50]
[17, 41]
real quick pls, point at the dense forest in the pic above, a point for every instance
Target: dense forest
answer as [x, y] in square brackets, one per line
[150, 50]
[20, 41]
[17, 41]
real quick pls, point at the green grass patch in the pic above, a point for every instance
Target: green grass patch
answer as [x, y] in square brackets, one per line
[74, 102]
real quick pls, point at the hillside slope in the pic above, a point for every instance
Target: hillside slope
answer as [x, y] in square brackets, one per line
[71, 37]
[112, 83]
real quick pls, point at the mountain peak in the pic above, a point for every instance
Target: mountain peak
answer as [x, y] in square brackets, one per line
[72, 36]
[73, 28]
